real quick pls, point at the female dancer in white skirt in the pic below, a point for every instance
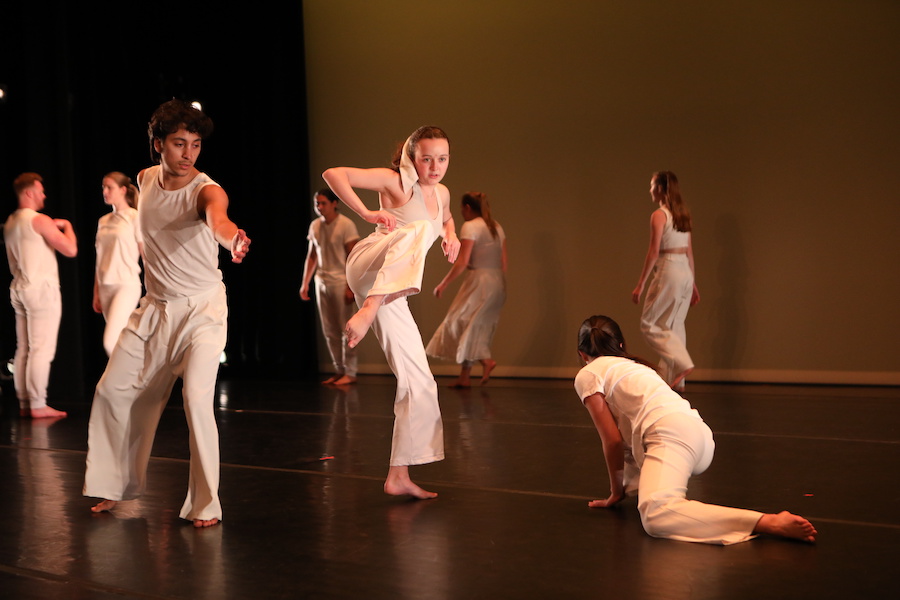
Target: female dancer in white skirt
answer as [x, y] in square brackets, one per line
[466, 333]
[117, 274]
[653, 441]
[672, 290]
[386, 267]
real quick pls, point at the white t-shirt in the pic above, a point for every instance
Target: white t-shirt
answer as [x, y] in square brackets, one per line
[636, 395]
[487, 251]
[117, 248]
[330, 242]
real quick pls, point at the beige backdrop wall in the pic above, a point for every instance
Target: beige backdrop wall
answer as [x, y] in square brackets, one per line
[779, 117]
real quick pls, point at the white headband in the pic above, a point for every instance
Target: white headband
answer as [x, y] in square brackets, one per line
[408, 174]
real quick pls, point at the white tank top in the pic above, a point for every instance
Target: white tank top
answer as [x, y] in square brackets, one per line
[181, 256]
[32, 261]
[416, 210]
[670, 237]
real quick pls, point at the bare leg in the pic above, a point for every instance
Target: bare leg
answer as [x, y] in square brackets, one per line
[785, 524]
[47, 412]
[104, 506]
[487, 365]
[200, 523]
[463, 381]
[398, 483]
[359, 324]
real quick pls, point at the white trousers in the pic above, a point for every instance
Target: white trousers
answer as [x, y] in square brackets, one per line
[38, 312]
[676, 447]
[665, 309]
[163, 340]
[334, 312]
[392, 265]
[117, 303]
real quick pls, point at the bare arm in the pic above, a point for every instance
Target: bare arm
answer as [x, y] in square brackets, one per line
[657, 222]
[212, 204]
[342, 180]
[462, 261]
[613, 449]
[58, 233]
[695, 295]
[309, 269]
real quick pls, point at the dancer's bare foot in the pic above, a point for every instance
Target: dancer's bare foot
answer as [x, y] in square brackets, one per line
[488, 365]
[461, 383]
[200, 523]
[789, 525]
[398, 483]
[25, 412]
[331, 379]
[344, 380]
[358, 325]
[47, 412]
[679, 381]
[104, 506]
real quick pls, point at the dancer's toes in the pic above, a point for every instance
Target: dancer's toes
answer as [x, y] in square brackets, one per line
[200, 523]
[331, 380]
[788, 525]
[104, 506]
[344, 380]
[47, 412]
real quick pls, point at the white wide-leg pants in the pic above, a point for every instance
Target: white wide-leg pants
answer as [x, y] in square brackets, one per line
[163, 340]
[677, 447]
[665, 309]
[334, 312]
[117, 303]
[38, 312]
[392, 265]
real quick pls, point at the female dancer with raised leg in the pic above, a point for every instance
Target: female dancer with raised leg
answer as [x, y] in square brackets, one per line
[386, 267]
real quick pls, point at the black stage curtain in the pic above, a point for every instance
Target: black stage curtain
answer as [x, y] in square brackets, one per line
[80, 84]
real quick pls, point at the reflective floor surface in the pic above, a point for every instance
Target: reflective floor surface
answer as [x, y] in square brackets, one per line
[305, 516]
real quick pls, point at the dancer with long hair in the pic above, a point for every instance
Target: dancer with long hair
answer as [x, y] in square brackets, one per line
[672, 289]
[117, 271]
[386, 267]
[466, 333]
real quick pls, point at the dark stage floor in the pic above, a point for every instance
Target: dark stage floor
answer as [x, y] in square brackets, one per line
[305, 517]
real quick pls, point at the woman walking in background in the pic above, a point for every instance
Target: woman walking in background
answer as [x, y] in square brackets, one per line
[466, 333]
[672, 290]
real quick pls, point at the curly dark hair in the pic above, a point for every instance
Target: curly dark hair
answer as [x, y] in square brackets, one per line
[173, 115]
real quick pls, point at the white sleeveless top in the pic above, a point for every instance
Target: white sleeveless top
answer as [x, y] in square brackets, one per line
[32, 261]
[416, 210]
[181, 255]
[670, 237]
